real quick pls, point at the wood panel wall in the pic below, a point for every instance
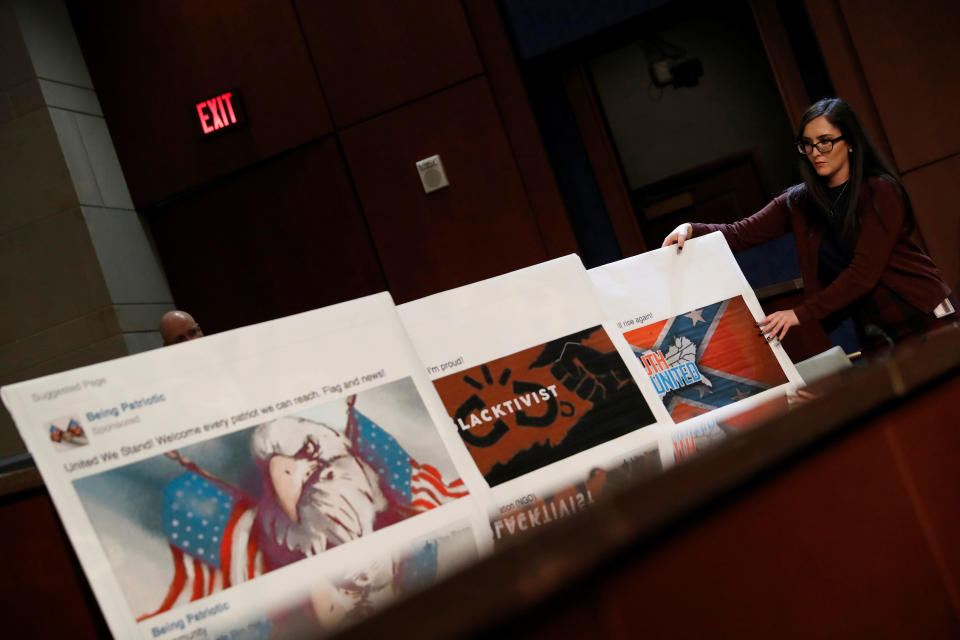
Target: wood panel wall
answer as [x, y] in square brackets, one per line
[151, 62]
[481, 228]
[317, 199]
[898, 64]
[280, 238]
[372, 56]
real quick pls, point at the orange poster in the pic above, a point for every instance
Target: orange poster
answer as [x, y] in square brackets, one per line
[526, 410]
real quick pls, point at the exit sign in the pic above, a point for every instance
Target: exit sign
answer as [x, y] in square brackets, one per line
[222, 112]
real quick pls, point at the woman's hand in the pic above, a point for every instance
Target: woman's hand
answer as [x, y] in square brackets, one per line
[799, 397]
[777, 324]
[678, 236]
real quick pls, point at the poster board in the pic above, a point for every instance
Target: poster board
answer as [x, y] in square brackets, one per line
[289, 477]
[283, 477]
[539, 388]
[690, 319]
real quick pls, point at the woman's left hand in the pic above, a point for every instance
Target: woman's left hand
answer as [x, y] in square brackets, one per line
[777, 324]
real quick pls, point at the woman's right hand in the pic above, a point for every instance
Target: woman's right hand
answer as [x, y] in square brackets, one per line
[678, 236]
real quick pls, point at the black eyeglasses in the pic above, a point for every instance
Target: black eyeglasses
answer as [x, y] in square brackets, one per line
[824, 146]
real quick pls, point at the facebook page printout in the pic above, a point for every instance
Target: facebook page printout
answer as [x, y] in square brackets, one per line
[274, 481]
[690, 321]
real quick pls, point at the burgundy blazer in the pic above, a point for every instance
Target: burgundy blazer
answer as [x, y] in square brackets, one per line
[883, 251]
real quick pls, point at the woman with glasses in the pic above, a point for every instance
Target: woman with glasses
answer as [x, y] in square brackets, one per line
[851, 220]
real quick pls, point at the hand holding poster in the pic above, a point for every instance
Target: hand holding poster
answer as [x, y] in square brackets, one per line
[690, 319]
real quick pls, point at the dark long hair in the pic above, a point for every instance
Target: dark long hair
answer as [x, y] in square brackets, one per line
[865, 162]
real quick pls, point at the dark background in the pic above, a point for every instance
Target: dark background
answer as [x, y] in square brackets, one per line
[316, 199]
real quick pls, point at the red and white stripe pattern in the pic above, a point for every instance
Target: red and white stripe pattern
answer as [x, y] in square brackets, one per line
[240, 560]
[429, 488]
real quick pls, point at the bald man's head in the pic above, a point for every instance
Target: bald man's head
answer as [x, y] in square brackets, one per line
[178, 326]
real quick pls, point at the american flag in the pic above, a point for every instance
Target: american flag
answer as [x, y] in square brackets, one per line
[210, 525]
[404, 481]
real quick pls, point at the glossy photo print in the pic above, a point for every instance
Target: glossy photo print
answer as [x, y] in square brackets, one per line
[706, 358]
[197, 520]
[526, 410]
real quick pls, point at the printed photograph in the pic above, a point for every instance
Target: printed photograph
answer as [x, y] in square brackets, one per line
[706, 359]
[194, 521]
[532, 511]
[345, 597]
[524, 411]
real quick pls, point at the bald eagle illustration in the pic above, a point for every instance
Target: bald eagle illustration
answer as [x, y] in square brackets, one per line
[318, 493]
[320, 488]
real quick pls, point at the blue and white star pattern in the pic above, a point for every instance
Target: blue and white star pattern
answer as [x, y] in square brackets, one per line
[195, 515]
[387, 457]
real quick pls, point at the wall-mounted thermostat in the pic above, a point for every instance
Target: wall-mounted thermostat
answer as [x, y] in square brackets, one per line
[432, 174]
